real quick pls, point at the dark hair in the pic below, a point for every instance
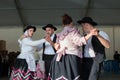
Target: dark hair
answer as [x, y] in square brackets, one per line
[66, 19]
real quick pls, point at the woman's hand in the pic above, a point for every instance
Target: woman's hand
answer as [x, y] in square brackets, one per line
[57, 46]
[22, 37]
[48, 38]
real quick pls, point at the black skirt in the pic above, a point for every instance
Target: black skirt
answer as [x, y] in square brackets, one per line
[68, 68]
[20, 71]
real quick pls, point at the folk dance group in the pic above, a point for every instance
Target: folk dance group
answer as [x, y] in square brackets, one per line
[62, 55]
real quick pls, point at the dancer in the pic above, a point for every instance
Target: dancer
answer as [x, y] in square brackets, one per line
[94, 50]
[66, 64]
[24, 67]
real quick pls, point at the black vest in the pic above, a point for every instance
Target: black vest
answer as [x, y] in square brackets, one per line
[97, 46]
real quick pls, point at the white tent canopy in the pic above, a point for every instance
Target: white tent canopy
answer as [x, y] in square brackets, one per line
[41, 12]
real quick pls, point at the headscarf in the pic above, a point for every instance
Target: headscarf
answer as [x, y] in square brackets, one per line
[26, 33]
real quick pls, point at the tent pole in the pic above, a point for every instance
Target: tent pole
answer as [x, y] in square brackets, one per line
[20, 13]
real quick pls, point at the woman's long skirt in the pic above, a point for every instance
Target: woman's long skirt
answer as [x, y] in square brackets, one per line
[68, 68]
[20, 71]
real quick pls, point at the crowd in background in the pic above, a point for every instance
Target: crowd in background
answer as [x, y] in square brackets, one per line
[7, 60]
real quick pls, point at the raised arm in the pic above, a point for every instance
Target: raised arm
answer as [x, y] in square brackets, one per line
[33, 43]
[80, 40]
[104, 39]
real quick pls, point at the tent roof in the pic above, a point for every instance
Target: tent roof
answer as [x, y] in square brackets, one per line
[42, 12]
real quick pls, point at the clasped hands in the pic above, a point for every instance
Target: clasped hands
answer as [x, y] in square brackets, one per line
[94, 32]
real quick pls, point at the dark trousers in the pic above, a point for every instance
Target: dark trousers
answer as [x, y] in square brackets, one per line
[47, 59]
[87, 65]
[91, 69]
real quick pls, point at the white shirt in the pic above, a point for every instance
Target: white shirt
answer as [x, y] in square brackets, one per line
[88, 51]
[48, 47]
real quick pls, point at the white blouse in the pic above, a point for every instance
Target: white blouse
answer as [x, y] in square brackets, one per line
[27, 51]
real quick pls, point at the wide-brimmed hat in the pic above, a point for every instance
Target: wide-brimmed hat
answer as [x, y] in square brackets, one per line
[87, 20]
[50, 26]
[29, 27]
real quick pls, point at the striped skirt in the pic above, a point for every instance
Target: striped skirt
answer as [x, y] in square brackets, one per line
[20, 71]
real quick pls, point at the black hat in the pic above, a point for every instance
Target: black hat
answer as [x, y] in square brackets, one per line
[28, 27]
[87, 20]
[50, 26]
